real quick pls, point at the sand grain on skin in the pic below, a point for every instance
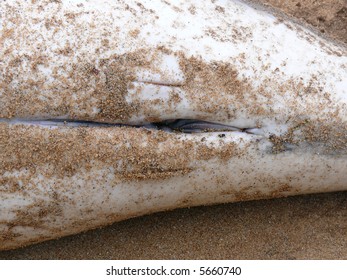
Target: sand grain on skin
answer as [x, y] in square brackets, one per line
[302, 227]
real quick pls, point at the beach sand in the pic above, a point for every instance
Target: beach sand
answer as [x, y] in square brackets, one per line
[303, 227]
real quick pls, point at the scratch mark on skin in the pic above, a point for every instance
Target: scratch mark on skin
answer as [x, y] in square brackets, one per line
[115, 109]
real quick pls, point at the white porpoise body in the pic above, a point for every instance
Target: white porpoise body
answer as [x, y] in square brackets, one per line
[279, 85]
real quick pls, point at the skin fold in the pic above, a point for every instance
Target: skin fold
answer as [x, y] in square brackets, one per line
[112, 109]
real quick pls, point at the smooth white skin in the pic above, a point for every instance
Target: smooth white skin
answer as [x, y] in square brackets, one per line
[241, 31]
[99, 198]
[94, 201]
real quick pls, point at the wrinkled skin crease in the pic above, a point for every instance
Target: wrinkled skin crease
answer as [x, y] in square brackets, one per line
[179, 125]
[119, 124]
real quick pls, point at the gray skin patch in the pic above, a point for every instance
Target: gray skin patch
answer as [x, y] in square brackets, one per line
[179, 125]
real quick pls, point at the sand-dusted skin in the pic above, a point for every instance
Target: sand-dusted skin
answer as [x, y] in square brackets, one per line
[114, 109]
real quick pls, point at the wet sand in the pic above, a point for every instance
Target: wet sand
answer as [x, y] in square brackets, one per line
[303, 227]
[328, 17]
